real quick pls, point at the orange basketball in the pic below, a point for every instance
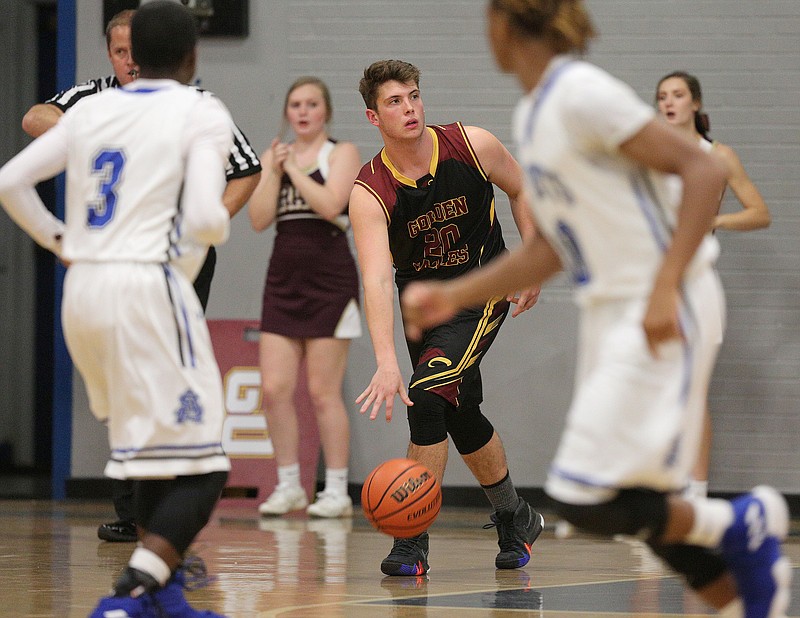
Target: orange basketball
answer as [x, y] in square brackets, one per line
[401, 498]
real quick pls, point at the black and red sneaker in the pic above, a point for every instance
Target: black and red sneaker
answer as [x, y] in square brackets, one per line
[408, 557]
[516, 532]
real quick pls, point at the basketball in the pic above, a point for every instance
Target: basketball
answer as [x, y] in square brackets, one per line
[401, 498]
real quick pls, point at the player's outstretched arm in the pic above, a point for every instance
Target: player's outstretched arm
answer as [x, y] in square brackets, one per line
[375, 262]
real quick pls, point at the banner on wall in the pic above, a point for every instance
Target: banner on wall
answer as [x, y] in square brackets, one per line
[245, 433]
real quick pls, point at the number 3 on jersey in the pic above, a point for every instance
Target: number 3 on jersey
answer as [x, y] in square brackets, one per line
[107, 167]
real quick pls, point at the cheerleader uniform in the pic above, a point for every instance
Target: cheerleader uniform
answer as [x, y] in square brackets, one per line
[311, 290]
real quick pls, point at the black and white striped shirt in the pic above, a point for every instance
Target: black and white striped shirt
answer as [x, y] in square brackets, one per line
[243, 160]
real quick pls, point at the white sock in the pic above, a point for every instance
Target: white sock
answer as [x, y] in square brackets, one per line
[336, 481]
[712, 517]
[289, 476]
[151, 563]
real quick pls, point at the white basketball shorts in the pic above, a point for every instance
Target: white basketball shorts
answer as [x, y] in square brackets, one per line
[137, 334]
[636, 420]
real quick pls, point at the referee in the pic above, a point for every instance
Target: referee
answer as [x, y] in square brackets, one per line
[242, 173]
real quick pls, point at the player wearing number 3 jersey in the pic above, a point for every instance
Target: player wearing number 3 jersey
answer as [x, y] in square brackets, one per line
[125, 227]
[145, 176]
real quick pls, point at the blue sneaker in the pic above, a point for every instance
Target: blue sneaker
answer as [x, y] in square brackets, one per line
[191, 575]
[752, 549]
[124, 607]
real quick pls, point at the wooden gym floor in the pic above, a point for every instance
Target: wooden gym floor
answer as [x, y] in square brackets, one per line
[53, 565]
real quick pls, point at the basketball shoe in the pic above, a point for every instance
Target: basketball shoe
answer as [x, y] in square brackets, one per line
[516, 532]
[751, 547]
[283, 500]
[408, 557]
[331, 505]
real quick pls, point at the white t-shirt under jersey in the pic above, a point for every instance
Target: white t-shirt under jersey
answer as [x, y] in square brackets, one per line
[609, 219]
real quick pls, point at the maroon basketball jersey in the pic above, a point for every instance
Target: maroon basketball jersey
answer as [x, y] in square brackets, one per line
[443, 224]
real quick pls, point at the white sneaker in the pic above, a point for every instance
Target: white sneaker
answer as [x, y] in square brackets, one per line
[331, 505]
[283, 500]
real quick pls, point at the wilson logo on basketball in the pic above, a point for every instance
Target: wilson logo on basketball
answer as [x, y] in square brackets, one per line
[409, 487]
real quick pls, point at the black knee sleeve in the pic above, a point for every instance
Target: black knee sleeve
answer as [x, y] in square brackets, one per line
[633, 512]
[179, 508]
[699, 565]
[469, 428]
[427, 417]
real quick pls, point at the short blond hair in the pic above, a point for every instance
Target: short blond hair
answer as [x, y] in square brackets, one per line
[123, 18]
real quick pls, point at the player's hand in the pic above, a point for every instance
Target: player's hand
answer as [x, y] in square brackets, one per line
[385, 384]
[661, 318]
[425, 305]
[524, 300]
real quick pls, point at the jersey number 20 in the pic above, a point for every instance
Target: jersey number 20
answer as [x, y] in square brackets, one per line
[107, 168]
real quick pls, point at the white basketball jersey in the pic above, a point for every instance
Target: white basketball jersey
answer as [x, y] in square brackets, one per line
[119, 211]
[609, 219]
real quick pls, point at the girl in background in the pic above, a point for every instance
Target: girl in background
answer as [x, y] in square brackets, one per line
[310, 308]
[680, 102]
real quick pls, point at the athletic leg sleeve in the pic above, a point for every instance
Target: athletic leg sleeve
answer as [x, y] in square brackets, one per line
[633, 512]
[427, 417]
[469, 428]
[178, 509]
